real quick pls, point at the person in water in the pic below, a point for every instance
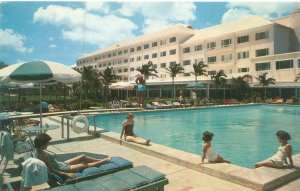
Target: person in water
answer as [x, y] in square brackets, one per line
[67, 168]
[284, 152]
[127, 131]
[208, 151]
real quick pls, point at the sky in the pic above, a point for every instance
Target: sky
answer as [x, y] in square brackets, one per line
[63, 31]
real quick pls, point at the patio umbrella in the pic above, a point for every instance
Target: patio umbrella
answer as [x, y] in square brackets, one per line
[39, 72]
[194, 85]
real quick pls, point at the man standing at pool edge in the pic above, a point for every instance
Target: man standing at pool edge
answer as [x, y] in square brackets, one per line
[141, 81]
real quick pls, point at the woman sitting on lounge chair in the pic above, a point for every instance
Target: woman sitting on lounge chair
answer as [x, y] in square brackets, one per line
[127, 131]
[68, 167]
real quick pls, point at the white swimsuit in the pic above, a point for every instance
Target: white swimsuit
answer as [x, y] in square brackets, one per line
[211, 154]
[279, 157]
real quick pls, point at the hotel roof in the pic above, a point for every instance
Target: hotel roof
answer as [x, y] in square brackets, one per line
[227, 28]
[145, 38]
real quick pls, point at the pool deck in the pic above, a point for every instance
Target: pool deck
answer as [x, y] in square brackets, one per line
[181, 168]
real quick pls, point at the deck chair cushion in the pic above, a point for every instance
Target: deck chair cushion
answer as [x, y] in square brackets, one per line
[111, 183]
[148, 173]
[131, 178]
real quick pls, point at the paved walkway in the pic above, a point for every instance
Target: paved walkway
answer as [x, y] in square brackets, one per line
[180, 178]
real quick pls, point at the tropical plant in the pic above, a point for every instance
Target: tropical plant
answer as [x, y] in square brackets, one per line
[220, 80]
[107, 78]
[173, 70]
[90, 83]
[264, 82]
[199, 69]
[241, 85]
[147, 69]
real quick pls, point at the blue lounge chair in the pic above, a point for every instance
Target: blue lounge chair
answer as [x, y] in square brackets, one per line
[149, 106]
[114, 165]
[141, 178]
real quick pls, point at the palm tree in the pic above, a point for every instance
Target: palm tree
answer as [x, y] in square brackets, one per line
[241, 85]
[107, 78]
[220, 80]
[199, 69]
[264, 82]
[90, 83]
[173, 70]
[147, 69]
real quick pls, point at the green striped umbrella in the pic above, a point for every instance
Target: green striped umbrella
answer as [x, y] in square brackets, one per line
[38, 72]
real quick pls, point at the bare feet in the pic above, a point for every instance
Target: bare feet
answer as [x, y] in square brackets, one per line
[148, 141]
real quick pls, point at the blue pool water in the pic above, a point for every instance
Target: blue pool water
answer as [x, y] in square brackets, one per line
[243, 134]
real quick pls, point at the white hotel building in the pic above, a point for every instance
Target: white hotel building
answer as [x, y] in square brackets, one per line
[253, 45]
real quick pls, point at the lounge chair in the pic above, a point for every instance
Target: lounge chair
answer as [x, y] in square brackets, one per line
[177, 104]
[170, 104]
[149, 106]
[160, 105]
[289, 101]
[114, 165]
[134, 179]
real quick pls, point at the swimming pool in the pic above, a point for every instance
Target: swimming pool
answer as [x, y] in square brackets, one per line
[243, 134]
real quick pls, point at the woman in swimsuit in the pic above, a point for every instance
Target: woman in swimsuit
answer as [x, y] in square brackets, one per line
[128, 133]
[280, 157]
[208, 151]
[67, 168]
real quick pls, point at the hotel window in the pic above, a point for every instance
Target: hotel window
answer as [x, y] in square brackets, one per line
[226, 42]
[120, 52]
[146, 57]
[226, 58]
[162, 54]
[138, 48]
[243, 39]
[284, 64]
[173, 39]
[186, 50]
[186, 62]
[211, 45]
[262, 66]
[131, 69]
[262, 52]
[212, 72]
[95, 66]
[187, 74]
[109, 63]
[163, 65]
[162, 42]
[154, 44]
[120, 71]
[104, 65]
[96, 58]
[109, 55]
[132, 50]
[262, 35]
[104, 56]
[242, 70]
[120, 62]
[131, 59]
[243, 55]
[138, 58]
[172, 52]
[99, 65]
[198, 47]
[154, 55]
[172, 63]
[125, 70]
[125, 60]
[211, 59]
[146, 46]
[125, 51]
[154, 66]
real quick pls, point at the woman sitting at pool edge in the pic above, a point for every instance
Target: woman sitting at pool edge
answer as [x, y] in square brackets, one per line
[127, 131]
[67, 168]
[280, 157]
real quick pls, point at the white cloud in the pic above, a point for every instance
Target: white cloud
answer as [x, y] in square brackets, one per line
[159, 15]
[13, 41]
[53, 46]
[81, 26]
[269, 10]
[97, 6]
